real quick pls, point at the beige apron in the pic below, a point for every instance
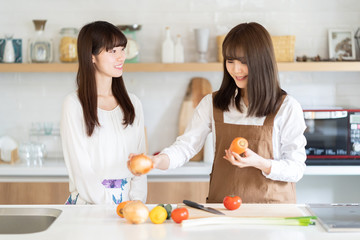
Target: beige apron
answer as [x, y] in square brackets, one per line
[249, 183]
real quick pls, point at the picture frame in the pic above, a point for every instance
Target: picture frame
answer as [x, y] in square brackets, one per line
[341, 44]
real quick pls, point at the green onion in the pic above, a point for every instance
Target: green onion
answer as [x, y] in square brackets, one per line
[292, 221]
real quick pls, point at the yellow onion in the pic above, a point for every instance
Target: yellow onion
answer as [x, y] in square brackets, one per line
[140, 164]
[136, 212]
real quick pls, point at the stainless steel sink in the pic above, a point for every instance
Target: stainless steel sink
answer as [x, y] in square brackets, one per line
[26, 220]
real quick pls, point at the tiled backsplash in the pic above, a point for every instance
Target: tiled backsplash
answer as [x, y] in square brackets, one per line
[36, 97]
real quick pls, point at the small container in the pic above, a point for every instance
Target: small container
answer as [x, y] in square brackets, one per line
[167, 50]
[9, 51]
[40, 48]
[68, 45]
[179, 50]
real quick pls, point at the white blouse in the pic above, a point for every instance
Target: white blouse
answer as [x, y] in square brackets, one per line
[288, 137]
[104, 155]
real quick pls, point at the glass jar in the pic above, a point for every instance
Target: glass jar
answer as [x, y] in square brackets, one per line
[132, 47]
[68, 47]
[40, 48]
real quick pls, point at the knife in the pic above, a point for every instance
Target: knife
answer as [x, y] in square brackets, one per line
[202, 207]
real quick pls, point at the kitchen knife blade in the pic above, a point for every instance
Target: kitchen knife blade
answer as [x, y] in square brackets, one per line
[202, 207]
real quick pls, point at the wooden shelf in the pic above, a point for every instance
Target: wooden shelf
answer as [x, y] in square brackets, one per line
[184, 67]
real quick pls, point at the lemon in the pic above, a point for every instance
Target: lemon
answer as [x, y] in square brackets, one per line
[158, 215]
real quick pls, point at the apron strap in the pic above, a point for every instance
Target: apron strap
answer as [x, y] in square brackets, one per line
[269, 120]
[217, 113]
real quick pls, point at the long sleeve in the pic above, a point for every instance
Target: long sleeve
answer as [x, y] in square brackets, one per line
[76, 155]
[190, 143]
[289, 150]
[138, 187]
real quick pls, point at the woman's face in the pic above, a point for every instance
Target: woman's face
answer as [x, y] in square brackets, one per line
[110, 63]
[238, 70]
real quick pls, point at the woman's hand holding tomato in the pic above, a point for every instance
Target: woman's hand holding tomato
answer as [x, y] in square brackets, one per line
[232, 202]
[249, 159]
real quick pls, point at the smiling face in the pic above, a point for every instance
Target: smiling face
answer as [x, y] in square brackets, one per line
[109, 63]
[238, 70]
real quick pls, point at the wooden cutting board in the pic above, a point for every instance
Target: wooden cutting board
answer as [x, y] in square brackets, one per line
[196, 90]
[247, 210]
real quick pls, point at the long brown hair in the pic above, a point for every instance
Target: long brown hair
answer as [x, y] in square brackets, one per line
[94, 38]
[252, 43]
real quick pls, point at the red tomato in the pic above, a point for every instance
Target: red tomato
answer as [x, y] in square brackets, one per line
[239, 145]
[232, 202]
[179, 214]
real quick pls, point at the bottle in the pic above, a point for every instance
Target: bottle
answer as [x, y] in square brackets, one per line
[179, 50]
[68, 45]
[40, 48]
[167, 53]
[9, 51]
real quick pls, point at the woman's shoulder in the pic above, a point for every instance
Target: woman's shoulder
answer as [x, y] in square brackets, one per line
[71, 100]
[208, 99]
[290, 106]
[134, 99]
[291, 102]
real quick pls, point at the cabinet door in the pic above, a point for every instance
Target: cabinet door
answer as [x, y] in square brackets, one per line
[176, 192]
[33, 192]
[57, 193]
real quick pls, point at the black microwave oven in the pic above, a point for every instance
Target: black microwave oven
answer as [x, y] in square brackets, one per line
[333, 137]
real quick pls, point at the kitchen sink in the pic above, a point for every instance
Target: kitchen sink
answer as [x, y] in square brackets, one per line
[26, 220]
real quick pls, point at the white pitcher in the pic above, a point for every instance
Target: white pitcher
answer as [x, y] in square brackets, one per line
[9, 51]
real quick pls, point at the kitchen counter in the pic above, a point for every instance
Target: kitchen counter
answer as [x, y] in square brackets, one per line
[55, 171]
[101, 222]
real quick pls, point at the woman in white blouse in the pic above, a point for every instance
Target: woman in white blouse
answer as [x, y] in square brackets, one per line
[102, 123]
[249, 104]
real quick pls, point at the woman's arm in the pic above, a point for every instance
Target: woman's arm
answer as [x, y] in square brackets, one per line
[190, 143]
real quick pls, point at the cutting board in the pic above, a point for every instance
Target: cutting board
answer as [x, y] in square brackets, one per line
[247, 210]
[196, 90]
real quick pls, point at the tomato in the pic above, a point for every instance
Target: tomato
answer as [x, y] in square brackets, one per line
[120, 208]
[232, 202]
[239, 145]
[179, 214]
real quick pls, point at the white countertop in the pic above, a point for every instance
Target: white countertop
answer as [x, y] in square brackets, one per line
[55, 170]
[101, 222]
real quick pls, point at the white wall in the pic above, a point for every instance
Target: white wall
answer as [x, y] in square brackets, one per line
[33, 97]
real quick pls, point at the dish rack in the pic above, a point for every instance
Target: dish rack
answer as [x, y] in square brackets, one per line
[14, 157]
[284, 48]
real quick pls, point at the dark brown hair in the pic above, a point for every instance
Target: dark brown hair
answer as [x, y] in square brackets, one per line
[250, 42]
[94, 38]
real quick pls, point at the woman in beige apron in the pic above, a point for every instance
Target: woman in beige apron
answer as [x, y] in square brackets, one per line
[249, 104]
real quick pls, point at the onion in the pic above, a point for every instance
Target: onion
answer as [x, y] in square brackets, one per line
[140, 164]
[136, 212]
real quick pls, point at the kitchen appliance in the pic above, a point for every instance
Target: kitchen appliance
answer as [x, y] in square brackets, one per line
[333, 136]
[337, 217]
